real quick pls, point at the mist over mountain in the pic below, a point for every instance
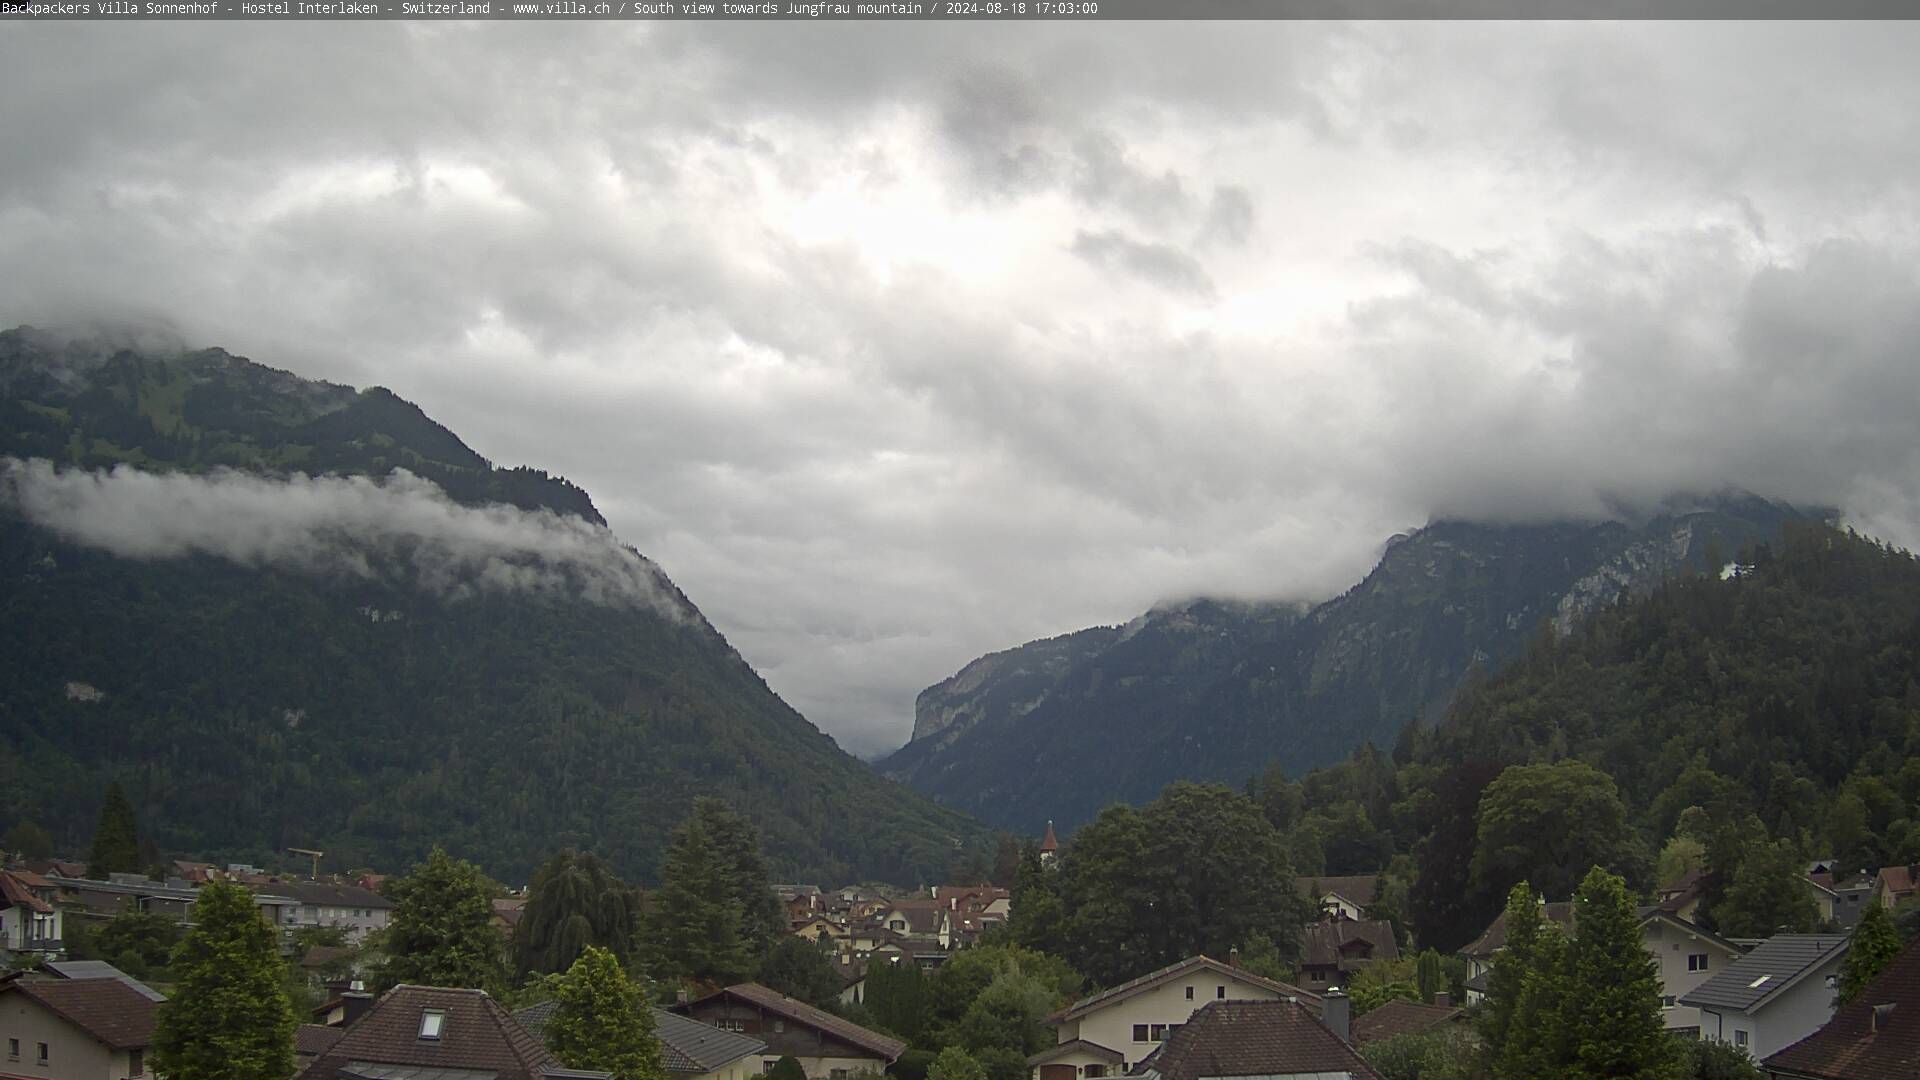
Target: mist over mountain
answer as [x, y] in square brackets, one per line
[1212, 689]
[290, 613]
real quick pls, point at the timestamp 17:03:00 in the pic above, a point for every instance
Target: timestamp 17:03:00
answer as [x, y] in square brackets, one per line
[1019, 7]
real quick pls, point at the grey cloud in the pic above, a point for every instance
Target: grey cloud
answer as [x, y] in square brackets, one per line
[1158, 264]
[333, 525]
[1229, 219]
[1104, 176]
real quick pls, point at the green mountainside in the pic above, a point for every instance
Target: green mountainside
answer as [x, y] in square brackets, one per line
[247, 710]
[1215, 690]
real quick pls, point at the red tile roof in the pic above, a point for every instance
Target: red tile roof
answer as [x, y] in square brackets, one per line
[17, 891]
[1875, 1038]
[1340, 943]
[1254, 1038]
[1359, 888]
[107, 1009]
[1399, 1017]
[477, 1034]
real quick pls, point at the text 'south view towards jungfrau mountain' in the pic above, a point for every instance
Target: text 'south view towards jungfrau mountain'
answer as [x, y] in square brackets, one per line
[957, 545]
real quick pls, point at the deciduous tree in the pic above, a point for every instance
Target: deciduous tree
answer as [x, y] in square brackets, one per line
[1875, 943]
[229, 1017]
[442, 932]
[602, 1021]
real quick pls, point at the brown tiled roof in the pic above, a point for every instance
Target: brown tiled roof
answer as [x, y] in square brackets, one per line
[1877, 1037]
[1358, 888]
[477, 1034]
[312, 1040]
[1339, 942]
[1254, 1038]
[800, 1012]
[107, 1009]
[16, 891]
[1049, 842]
[1899, 880]
[1400, 1017]
[1174, 971]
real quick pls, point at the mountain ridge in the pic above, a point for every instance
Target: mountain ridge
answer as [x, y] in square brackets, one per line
[1212, 690]
[366, 638]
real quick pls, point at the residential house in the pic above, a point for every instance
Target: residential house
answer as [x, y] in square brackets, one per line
[1399, 1017]
[344, 1006]
[689, 1049]
[1851, 895]
[74, 1029]
[108, 898]
[421, 1032]
[1344, 897]
[351, 908]
[1687, 954]
[506, 913]
[1774, 996]
[29, 921]
[853, 981]
[1682, 896]
[918, 918]
[821, 927]
[1268, 1040]
[1333, 950]
[1115, 1029]
[1895, 885]
[1874, 1037]
[825, 1045]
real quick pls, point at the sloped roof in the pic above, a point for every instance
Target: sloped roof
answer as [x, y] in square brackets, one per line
[1049, 842]
[1358, 888]
[1899, 879]
[99, 969]
[1399, 1017]
[15, 891]
[1866, 1040]
[1174, 971]
[800, 1012]
[312, 1040]
[1326, 944]
[477, 1035]
[1076, 1046]
[687, 1045]
[1253, 1038]
[1494, 937]
[107, 1009]
[1775, 964]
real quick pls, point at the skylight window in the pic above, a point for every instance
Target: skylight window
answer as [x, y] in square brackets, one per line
[430, 1021]
[1755, 984]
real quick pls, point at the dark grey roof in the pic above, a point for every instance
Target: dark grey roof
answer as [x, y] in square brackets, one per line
[326, 894]
[689, 1046]
[100, 969]
[1771, 967]
[367, 1070]
[686, 1045]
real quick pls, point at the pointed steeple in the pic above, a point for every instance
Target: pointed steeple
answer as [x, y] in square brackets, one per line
[1049, 844]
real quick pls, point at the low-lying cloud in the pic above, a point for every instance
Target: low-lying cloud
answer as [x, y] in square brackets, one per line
[355, 526]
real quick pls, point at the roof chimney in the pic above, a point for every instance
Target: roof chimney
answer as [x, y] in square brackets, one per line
[1882, 1016]
[680, 996]
[1233, 956]
[1337, 1012]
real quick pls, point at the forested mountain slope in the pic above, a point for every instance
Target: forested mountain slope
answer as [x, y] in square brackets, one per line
[365, 665]
[1217, 690]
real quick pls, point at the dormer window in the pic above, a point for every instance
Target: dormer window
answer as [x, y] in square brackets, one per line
[430, 1022]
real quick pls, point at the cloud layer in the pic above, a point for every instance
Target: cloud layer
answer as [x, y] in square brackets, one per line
[354, 526]
[897, 344]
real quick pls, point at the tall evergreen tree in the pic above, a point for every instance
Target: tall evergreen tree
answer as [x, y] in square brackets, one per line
[602, 1020]
[1537, 1046]
[442, 931]
[694, 930]
[897, 996]
[574, 901]
[1875, 943]
[116, 839]
[229, 1017]
[1612, 1015]
[736, 845]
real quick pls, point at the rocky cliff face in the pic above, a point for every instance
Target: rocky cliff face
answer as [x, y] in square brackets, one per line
[1211, 690]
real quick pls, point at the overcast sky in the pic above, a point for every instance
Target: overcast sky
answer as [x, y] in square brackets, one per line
[897, 344]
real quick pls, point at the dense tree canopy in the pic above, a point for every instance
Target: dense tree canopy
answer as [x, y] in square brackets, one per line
[1547, 824]
[715, 914]
[602, 1020]
[442, 931]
